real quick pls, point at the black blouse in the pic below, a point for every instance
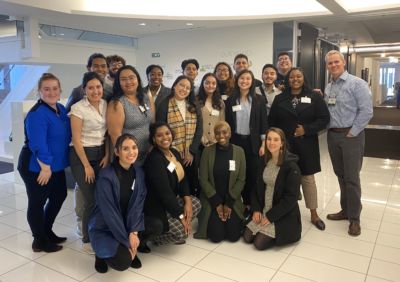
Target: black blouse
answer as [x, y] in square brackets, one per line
[126, 179]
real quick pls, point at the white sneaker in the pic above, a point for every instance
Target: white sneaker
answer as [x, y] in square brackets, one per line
[87, 248]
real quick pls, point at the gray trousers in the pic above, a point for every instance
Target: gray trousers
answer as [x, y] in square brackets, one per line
[347, 156]
[84, 192]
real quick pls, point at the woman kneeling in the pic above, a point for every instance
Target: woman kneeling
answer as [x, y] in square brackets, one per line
[276, 215]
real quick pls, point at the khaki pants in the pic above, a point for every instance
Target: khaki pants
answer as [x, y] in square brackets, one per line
[310, 191]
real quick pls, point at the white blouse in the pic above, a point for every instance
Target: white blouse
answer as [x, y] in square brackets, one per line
[93, 122]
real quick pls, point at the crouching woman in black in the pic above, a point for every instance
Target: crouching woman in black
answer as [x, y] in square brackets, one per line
[118, 215]
[276, 215]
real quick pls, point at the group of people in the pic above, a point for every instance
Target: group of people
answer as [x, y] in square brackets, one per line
[232, 151]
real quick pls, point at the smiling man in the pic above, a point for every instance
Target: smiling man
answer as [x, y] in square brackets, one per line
[284, 65]
[350, 105]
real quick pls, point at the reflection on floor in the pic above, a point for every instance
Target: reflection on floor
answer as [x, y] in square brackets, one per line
[330, 255]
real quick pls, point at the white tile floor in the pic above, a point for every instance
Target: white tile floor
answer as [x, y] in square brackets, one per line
[331, 255]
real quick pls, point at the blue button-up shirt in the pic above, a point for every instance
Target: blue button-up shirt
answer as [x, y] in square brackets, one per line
[353, 107]
[243, 117]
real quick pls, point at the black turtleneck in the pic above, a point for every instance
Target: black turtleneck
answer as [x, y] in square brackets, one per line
[126, 178]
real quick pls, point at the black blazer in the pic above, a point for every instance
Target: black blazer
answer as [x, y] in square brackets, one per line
[285, 213]
[313, 116]
[258, 119]
[162, 115]
[164, 92]
[163, 187]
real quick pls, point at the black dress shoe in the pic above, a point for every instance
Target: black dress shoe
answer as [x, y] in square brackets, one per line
[53, 238]
[100, 265]
[337, 216]
[45, 246]
[354, 229]
[319, 224]
[143, 248]
[136, 263]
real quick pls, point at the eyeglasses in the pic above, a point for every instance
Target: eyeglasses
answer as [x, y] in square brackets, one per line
[116, 64]
[129, 78]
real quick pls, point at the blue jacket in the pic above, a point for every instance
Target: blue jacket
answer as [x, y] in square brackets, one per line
[107, 228]
[49, 135]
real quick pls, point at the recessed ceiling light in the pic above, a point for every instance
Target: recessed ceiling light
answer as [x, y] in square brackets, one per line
[189, 24]
[62, 34]
[142, 24]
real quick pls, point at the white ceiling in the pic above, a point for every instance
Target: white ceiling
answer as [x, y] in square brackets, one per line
[366, 27]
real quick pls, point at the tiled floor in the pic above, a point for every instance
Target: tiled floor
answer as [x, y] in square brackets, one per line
[331, 255]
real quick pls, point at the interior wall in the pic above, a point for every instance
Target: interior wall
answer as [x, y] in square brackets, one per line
[208, 47]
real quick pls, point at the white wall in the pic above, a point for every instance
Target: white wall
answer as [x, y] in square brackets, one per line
[208, 47]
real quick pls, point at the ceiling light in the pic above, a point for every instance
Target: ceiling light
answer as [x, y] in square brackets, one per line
[173, 9]
[189, 24]
[383, 55]
[352, 6]
[384, 48]
[142, 24]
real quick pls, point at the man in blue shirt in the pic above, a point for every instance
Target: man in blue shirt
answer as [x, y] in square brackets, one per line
[350, 105]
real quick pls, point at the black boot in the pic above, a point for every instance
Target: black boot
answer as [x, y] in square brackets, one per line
[143, 248]
[53, 238]
[100, 265]
[136, 263]
[45, 246]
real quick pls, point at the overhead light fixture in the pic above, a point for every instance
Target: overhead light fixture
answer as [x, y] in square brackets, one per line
[393, 60]
[142, 24]
[173, 9]
[384, 48]
[189, 24]
[383, 55]
[352, 6]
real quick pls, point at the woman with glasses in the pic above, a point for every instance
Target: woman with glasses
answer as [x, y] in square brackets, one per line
[130, 110]
[182, 113]
[225, 78]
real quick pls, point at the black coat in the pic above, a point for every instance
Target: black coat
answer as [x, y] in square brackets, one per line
[258, 119]
[313, 116]
[163, 187]
[285, 213]
[163, 94]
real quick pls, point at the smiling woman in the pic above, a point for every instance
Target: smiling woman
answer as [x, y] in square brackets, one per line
[89, 152]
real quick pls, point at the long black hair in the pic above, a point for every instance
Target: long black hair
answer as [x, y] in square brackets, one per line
[236, 89]
[216, 97]
[191, 99]
[117, 90]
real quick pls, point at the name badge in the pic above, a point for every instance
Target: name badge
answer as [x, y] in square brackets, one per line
[305, 100]
[147, 107]
[224, 97]
[332, 101]
[133, 185]
[215, 112]
[142, 109]
[171, 167]
[237, 108]
[232, 165]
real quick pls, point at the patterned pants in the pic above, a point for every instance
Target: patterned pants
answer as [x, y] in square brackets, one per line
[176, 232]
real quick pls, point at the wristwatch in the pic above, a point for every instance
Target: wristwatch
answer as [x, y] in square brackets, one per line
[181, 216]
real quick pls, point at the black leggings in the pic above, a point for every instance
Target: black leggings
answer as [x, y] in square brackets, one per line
[219, 230]
[260, 241]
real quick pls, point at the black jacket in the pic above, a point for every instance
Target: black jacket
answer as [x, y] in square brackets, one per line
[258, 119]
[163, 187]
[285, 213]
[313, 116]
[163, 94]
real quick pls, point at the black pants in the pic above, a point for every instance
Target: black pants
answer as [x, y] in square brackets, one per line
[218, 230]
[251, 165]
[44, 202]
[153, 227]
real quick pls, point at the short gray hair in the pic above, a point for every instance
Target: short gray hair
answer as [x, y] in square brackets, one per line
[333, 52]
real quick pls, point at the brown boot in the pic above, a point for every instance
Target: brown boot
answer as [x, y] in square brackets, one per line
[337, 216]
[354, 229]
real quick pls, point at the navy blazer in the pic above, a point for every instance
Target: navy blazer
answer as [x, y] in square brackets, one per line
[107, 228]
